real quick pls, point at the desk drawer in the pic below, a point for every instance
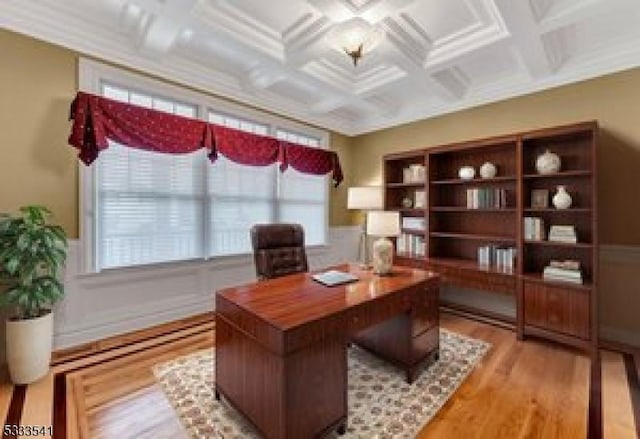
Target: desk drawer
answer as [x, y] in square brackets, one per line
[377, 311]
[425, 309]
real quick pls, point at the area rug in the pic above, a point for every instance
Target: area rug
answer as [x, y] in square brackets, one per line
[381, 403]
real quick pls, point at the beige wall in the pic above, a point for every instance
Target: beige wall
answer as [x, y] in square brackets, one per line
[613, 100]
[37, 81]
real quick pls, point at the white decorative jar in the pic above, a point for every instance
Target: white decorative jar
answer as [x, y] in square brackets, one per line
[29, 344]
[562, 199]
[382, 256]
[548, 163]
[467, 172]
[488, 170]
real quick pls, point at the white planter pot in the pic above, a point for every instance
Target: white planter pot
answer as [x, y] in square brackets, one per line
[29, 344]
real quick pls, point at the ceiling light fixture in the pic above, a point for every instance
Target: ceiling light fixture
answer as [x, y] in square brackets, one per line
[355, 37]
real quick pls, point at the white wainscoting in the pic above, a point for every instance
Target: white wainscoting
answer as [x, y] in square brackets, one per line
[118, 301]
[619, 300]
[101, 305]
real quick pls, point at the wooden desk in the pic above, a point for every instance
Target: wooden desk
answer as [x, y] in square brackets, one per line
[281, 344]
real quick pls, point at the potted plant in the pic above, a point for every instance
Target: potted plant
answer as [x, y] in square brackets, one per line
[32, 254]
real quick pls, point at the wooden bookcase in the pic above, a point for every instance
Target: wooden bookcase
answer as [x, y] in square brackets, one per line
[559, 311]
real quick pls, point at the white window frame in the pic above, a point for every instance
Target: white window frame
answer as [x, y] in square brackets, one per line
[92, 75]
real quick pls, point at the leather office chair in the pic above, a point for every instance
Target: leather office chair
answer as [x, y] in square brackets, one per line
[278, 250]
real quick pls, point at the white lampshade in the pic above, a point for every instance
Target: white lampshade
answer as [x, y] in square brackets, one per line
[364, 198]
[350, 34]
[380, 223]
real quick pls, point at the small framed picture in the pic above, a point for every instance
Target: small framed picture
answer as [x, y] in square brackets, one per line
[540, 198]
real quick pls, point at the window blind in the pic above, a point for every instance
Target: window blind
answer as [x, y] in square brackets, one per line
[149, 206]
[302, 198]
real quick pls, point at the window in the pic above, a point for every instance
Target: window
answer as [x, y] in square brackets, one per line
[150, 208]
[241, 196]
[303, 198]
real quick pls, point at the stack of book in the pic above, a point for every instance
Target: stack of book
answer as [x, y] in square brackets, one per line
[486, 198]
[563, 271]
[411, 244]
[413, 223]
[534, 229]
[563, 234]
[500, 257]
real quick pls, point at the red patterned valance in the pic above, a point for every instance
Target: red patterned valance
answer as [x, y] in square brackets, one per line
[96, 119]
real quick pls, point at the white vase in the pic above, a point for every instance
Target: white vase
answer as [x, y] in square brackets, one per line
[467, 172]
[382, 256]
[29, 344]
[548, 163]
[562, 199]
[488, 170]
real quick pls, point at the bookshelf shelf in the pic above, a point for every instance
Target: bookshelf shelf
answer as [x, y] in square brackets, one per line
[467, 264]
[414, 232]
[579, 245]
[564, 174]
[475, 237]
[465, 209]
[405, 185]
[573, 210]
[458, 181]
[456, 234]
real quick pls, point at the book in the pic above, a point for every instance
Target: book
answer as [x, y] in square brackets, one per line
[566, 234]
[569, 264]
[334, 277]
[534, 229]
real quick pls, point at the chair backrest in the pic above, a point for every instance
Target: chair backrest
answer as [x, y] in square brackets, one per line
[278, 250]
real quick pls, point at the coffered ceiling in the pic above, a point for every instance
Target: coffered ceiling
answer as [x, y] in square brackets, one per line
[437, 56]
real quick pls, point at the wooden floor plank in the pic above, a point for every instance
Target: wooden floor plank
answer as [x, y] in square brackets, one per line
[6, 391]
[131, 349]
[38, 404]
[617, 409]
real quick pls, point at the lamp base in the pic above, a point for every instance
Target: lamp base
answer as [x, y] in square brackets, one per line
[382, 257]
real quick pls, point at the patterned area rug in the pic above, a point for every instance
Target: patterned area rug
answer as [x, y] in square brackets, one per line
[381, 403]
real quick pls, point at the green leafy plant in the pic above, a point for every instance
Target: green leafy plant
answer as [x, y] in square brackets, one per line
[32, 253]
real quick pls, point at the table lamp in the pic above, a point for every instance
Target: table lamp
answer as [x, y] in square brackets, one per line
[365, 198]
[384, 225]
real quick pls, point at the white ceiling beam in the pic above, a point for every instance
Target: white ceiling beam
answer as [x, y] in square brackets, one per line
[579, 11]
[329, 104]
[525, 36]
[379, 10]
[336, 10]
[163, 28]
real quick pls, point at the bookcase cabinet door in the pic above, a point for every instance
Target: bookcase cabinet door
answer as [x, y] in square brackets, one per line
[564, 310]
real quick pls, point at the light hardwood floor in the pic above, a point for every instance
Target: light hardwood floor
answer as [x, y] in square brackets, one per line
[526, 389]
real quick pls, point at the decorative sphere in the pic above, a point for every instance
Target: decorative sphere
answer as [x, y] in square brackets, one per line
[548, 163]
[467, 172]
[488, 170]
